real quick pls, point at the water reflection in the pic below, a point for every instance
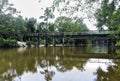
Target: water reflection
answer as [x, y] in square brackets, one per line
[97, 49]
[112, 73]
[57, 64]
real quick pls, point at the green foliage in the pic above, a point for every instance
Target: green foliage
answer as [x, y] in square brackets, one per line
[6, 7]
[46, 27]
[111, 74]
[1, 42]
[12, 27]
[104, 14]
[65, 24]
[115, 20]
[71, 7]
[31, 22]
[8, 43]
[41, 41]
[108, 15]
[117, 51]
[30, 43]
[2, 4]
[117, 43]
[48, 14]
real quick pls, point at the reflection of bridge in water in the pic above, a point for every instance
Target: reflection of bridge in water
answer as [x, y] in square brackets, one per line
[76, 36]
[105, 61]
[77, 53]
[104, 56]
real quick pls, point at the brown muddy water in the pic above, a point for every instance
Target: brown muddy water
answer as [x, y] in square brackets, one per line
[90, 63]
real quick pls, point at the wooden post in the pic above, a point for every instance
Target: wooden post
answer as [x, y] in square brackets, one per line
[111, 46]
[45, 41]
[63, 40]
[38, 41]
[54, 43]
[109, 43]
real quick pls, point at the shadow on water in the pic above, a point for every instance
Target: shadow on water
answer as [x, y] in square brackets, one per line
[59, 64]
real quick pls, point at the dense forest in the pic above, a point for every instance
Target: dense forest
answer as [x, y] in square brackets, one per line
[13, 26]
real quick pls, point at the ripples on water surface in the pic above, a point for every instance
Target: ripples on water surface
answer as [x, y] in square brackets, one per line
[59, 64]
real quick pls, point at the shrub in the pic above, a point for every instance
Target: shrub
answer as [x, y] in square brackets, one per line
[30, 43]
[1, 42]
[117, 43]
[8, 43]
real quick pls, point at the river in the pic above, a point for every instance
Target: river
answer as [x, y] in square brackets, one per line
[89, 63]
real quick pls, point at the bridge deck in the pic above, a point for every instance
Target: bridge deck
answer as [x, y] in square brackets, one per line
[84, 34]
[94, 35]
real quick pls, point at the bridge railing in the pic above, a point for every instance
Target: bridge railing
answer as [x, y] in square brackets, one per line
[96, 32]
[85, 32]
[90, 32]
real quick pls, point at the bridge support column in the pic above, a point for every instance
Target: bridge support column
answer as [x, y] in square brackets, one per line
[63, 40]
[29, 39]
[46, 41]
[54, 43]
[111, 43]
[111, 46]
[38, 43]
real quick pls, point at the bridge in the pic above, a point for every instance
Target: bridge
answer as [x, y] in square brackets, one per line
[81, 36]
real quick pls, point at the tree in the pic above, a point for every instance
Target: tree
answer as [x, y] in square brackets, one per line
[7, 20]
[7, 8]
[112, 73]
[48, 14]
[20, 28]
[115, 20]
[80, 8]
[31, 23]
[3, 3]
[41, 27]
[12, 27]
[109, 16]
[65, 24]
[104, 15]
[6, 25]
